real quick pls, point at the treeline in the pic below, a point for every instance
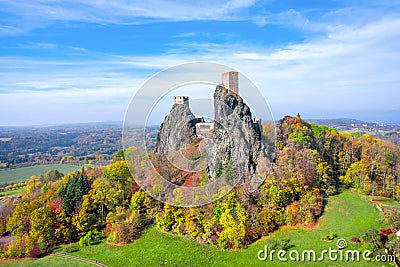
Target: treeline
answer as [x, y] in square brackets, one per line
[312, 163]
[368, 164]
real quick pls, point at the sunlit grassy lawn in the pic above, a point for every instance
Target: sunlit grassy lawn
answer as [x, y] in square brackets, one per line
[347, 214]
[48, 261]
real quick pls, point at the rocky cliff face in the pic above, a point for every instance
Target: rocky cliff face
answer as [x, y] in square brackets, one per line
[235, 142]
[236, 137]
[177, 130]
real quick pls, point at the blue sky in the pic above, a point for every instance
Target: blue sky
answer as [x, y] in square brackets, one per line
[78, 61]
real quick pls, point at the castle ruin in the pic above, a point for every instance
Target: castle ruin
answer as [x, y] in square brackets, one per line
[180, 100]
[204, 128]
[230, 80]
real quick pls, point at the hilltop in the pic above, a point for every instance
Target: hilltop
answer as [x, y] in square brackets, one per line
[234, 138]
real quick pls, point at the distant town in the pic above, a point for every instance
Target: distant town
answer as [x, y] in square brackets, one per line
[390, 132]
[86, 143]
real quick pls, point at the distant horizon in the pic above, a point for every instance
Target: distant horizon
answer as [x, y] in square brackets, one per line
[157, 125]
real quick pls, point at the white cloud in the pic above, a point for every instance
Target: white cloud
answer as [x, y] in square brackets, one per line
[350, 70]
[376, 31]
[185, 35]
[290, 17]
[29, 14]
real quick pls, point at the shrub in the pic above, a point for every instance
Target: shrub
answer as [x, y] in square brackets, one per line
[386, 231]
[332, 236]
[165, 220]
[108, 228]
[91, 238]
[17, 249]
[35, 252]
[125, 232]
[372, 238]
[366, 246]
[2, 253]
[111, 239]
[393, 244]
[306, 210]
[214, 239]
[354, 239]
[233, 230]
[278, 244]
[71, 248]
[391, 217]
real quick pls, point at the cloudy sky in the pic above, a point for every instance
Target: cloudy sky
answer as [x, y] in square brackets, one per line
[78, 61]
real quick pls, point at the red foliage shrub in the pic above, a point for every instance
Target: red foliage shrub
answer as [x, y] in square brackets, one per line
[56, 205]
[386, 231]
[214, 239]
[354, 239]
[108, 228]
[192, 180]
[35, 252]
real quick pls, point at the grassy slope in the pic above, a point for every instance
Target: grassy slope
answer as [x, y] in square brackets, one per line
[48, 261]
[24, 173]
[346, 215]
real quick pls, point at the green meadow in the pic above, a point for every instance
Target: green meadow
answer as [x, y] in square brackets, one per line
[22, 174]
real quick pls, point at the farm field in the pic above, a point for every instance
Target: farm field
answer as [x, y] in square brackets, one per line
[24, 173]
[12, 192]
[347, 214]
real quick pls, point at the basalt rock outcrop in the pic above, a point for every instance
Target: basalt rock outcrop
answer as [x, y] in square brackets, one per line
[177, 130]
[236, 137]
[235, 140]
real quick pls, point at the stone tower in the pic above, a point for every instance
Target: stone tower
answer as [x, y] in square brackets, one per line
[230, 80]
[179, 100]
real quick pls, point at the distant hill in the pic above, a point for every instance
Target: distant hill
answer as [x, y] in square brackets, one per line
[386, 131]
[328, 122]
